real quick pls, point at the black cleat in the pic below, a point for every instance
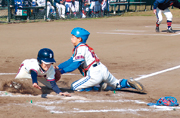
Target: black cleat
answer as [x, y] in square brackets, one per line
[157, 29]
[169, 30]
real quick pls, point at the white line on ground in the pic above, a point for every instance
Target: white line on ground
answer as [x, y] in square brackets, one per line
[16, 73]
[155, 34]
[56, 109]
[165, 26]
[78, 99]
[130, 30]
[156, 73]
[104, 110]
[8, 73]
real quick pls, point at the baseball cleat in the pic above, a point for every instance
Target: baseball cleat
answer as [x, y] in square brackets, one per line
[136, 85]
[157, 29]
[169, 30]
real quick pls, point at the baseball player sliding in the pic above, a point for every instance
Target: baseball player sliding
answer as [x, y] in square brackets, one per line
[89, 65]
[40, 69]
[162, 6]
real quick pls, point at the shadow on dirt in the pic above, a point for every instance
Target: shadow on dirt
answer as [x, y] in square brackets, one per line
[175, 31]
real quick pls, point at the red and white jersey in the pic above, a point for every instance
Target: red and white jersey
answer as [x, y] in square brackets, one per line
[84, 53]
[32, 64]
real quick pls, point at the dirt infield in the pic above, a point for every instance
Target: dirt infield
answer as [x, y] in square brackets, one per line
[128, 46]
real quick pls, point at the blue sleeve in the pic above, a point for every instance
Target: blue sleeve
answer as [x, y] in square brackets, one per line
[34, 76]
[55, 87]
[66, 63]
[73, 66]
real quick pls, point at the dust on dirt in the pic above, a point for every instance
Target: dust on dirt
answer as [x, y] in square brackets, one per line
[23, 87]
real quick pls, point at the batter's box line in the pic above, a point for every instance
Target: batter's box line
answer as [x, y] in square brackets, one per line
[176, 31]
[157, 34]
[130, 30]
[59, 110]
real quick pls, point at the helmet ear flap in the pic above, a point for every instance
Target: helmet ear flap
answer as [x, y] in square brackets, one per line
[39, 60]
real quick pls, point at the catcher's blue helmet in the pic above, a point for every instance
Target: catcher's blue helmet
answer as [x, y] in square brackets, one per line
[80, 32]
[46, 56]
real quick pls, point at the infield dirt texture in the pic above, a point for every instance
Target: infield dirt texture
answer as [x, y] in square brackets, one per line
[128, 46]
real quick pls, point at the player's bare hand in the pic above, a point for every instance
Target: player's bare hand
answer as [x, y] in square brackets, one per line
[36, 86]
[65, 94]
[154, 11]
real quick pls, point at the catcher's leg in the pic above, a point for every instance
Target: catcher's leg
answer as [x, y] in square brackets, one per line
[131, 83]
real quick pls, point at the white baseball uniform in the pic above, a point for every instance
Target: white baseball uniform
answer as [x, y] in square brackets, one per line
[43, 3]
[32, 64]
[69, 5]
[96, 73]
[61, 9]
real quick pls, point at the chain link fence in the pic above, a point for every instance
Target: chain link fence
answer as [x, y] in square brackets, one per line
[46, 10]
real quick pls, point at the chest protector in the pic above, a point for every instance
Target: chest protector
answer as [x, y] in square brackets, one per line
[85, 69]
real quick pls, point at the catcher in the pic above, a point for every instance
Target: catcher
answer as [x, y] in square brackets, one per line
[42, 70]
[89, 65]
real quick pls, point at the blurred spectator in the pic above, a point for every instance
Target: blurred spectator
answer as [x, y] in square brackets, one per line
[17, 3]
[76, 4]
[50, 8]
[104, 6]
[69, 6]
[3, 3]
[59, 4]
[94, 7]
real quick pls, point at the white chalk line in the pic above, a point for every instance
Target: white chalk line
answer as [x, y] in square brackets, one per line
[156, 73]
[77, 110]
[78, 99]
[16, 73]
[155, 34]
[130, 30]
[165, 26]
[8, 73]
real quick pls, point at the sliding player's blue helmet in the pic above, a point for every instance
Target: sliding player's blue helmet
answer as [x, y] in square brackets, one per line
[46, 56]
[80, 33]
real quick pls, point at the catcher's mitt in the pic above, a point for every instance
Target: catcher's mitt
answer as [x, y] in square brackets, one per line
[57, 74]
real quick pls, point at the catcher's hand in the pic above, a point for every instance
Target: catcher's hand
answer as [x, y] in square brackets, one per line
[57, 74]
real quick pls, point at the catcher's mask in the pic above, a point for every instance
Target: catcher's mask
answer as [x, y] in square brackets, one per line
[80, 33]
[46, 56]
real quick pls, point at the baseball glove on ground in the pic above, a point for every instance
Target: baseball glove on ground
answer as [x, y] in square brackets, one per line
[57, 74]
